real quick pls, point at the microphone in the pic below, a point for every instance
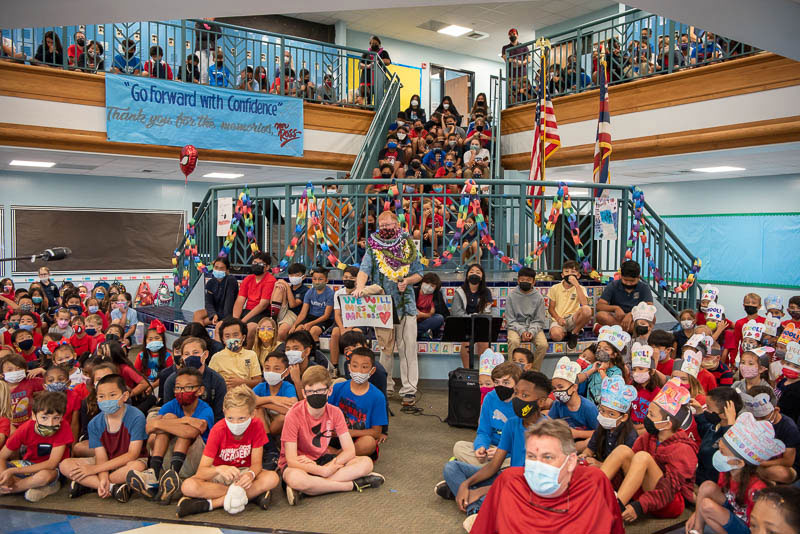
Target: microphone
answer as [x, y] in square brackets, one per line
[55, 253]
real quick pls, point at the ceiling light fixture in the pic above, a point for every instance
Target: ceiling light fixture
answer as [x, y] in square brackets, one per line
[454, 30]
[225, 175]
[723, 168]
[25, 163]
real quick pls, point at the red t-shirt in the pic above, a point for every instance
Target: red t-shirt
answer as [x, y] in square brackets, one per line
[131, 377]
[29, 356]
[706, 380]
[5, 426]
[22, 399]
[791, 321]
[737, 336]
[73, 405]
[38, 447]
[742, 512]
[641, 403]
[425, 302]
[81, 344]
[81, 391]
[95, 341]
[226, 450]
[312, 436]
[700, 318]
[665, 366]
[254, 291]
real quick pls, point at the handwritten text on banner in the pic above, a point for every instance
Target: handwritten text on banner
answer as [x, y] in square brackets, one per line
[375, 311]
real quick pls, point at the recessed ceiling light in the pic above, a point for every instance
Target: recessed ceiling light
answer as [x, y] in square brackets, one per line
[455, 31]
[227, 175]
[25, 163]
[719, 169]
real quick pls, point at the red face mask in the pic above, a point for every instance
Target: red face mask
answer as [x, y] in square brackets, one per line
[791, 374]
[185, 398]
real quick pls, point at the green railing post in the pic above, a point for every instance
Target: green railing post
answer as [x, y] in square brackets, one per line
[282, 65]
[673, 42]
[623, 226]
[578, 60]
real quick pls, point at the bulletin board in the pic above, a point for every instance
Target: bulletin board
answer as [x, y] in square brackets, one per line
[758, 249]
[410, 78]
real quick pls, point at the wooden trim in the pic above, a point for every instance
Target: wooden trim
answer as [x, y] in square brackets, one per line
[84, 141]
[760, 72]
[71, 87]
[783, 130]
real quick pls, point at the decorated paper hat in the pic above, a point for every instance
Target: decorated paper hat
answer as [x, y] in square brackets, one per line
[672, 396]
[642, 356]
[793, 353]
[690, 363]
[710, 293]
[615, 394]
[753, 329]
[771, 325]
[760, 405]
[754, 441]
[644, 311]
[699, 341]
[714, 313]
[790, 333]
[773, 302]
[763, 354]
[615, 336]
[567, 369]
[490, 360]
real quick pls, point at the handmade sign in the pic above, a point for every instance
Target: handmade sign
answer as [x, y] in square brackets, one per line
[672, 396]
[714, 314]
[793, 353]
[790, 333]
[224, 215]
[605, 219]
[374, 311]
[771, 325]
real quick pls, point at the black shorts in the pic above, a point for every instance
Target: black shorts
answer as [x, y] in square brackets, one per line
[324, 325]
[257, 318]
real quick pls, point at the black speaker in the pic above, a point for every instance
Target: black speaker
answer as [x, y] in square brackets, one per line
[464, 398]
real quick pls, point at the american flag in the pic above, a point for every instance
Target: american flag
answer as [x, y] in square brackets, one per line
[547, 127]
[602, 144]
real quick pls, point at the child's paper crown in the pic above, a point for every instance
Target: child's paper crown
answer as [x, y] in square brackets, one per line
[489, 360]
[710, 293]
[753, 330]
[642, 356]
[567, 369]
[615, 336]
[615, 394]
[754, 441]
[672, 396]
[644, 311]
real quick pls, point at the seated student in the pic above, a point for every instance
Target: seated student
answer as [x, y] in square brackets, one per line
[589, 366]
[569, 306]
[686, 370]
[776, 509]
[97, 369]
[46, 441]
[620, 296]
[309, 427]
[663, 345]
[754, 369]
[432, 309]
[62, 324]
[578, 412]
[725, 505]
[56, 379]
[80, 340]
[181, 425]
[231, 459]
[363, 405]
[301, 352]
[236, 364]
[351, 341]
[139, 388]
[155, 357]
[220, 294]
[659, 468]
[750, 335]
[761, 401]
[712, 362]
[316, 315]
[266, 339]
[115, 333]
[488, 361]
[166, 372]
[22, 389]
[644, 320]
[5, 412]
[195, 354]
[23, 344]
[473, 297]
[522, 358]
[275, 394]
[469, 484]
[699, 345]
[554, 493]
[94, 329]
[611, 343]
[525, 316]
[124, 315]
[117, 437]
[646, 380]
[685, 329]
[615, 425]
[788, 385]
[496, 410]
[290, 296]
[255, 295]
[722, 407]
[348, 285]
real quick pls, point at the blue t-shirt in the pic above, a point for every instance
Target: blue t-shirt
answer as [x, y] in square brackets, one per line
[318, 301]
[218, 77]
[117, 443]
[585, 418]
[287, 389]
[494, 416]
[203, 412]
[513, 440]
[127, 65]
[299, 294]
[616, 295]
[131, 316]
[361, 412]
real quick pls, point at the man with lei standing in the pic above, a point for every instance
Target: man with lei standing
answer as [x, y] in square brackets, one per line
[392, 262]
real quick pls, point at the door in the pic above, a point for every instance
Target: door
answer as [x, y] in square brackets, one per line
[457, 84]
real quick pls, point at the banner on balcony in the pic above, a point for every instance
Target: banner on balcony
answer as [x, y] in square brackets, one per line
[163, 112]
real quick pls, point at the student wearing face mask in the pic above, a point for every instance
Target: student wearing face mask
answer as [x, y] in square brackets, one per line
[349, 276]
[236, 364]
[447, 108]
[723, 405]
[475, 153]
[525, 316]
[644, 319]
[751, 304]
[194, 353]
[620, 296]
[221, 291]
[21, 388]
[473, 298]
[127, 62]
[276, 394]
[615, 426]
[578, 412]
[431, 306]
[255, 295]
[762, 403]
[414, 111]
[369, 67]
[219, 75]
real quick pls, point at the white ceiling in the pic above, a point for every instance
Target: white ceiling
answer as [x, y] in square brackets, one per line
[89, 164]
[492, 18]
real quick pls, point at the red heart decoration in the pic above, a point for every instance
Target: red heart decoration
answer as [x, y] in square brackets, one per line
[385, 317]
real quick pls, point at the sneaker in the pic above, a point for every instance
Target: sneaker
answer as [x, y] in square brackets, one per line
[144, 483]
[443, 490]
[190, 506]
[469, 521]
[168, 485]
[265, 500]
[572, 340]
[37, 494]
[293, 496]
[372, 480]
[409, 399]
[121, 492]
[76, 490]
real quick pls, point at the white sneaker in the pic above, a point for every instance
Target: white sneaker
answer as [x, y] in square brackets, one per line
[37, 494]
[469, 521]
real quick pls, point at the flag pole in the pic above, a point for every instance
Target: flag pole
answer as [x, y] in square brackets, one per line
[544, 46]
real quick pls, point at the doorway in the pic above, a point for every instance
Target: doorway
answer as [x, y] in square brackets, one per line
[459, 85]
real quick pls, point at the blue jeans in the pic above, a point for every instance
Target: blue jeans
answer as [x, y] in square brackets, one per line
[433, 323]
[455, 473]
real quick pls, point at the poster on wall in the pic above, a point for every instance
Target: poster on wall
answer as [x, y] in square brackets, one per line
[605, 219]
[162, 112]
[224, 215]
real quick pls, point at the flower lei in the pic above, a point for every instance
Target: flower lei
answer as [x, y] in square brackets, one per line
[394, 259]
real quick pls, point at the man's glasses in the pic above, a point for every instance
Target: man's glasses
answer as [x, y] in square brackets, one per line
[316, 392]
[186, 389]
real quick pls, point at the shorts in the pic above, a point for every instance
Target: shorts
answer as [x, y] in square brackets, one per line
[257, 318]
[219, 480]
[335, 444]
[735, 525]
[670, 511]
[324, 325]
[286, 316]
[570, 323]
[18, 464]
[325, 459]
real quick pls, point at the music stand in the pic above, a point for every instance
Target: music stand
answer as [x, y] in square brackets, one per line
[476, 328]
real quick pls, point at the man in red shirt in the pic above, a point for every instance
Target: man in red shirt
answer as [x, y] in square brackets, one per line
[255, 294]
[551, 494]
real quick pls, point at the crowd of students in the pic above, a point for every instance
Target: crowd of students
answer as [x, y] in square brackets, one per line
[646, 422]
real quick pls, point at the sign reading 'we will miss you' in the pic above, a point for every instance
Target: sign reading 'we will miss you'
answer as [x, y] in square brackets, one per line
[163, 112]
[375, 311]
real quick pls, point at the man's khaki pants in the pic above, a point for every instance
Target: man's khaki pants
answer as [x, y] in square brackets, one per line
[539, 346]
[404, 338]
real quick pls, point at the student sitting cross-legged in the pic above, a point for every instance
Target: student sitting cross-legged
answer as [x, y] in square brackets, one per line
[276, 394]
[182, 426]
[230, 473]
[578, 412]
[310, 424]
[117, 437]
[46, 441]
[615, 426]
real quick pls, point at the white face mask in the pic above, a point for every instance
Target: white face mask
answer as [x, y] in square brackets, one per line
[401, 135]
[446, 106]
[294, 280]
[687, 324]
[415, 102]
[273, 379]
[609, 423]
[14, 377]
[641, 377]
[401, 123]
[295, 356]
[237, 429]
[427, 289]
[359, 378]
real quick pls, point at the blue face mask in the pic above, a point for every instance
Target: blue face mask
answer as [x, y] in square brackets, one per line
[108, 407]
[45, 350]
[218, 274]
[193, 361]
[36, 300]
[542, 478]
[27, 327]
[56, 386]
[392, 145]
[155, 345]
[93, 309]
[91, 331]
[720, 462]
[448, 164]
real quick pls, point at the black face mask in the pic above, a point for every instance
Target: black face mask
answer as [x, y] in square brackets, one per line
[375, 48]
[349, 284]
[641, 329]
[629, 287]
[26, 345]
[219, 63]
[415, 164]
[317, 400]
[257, 269]
[81, 42]
[713, 418]
[794, 314]
[428, 141]
[650, 427]
[751, 310]
[503, 392]
[525, 286]
[474, 279]
[523, 409]
[112, 337]
[384, 175]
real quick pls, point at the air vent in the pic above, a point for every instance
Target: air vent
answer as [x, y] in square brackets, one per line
[476, 35]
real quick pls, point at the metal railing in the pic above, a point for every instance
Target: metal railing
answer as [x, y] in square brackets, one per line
[188, 50]
[635, 44]
[347, 215]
